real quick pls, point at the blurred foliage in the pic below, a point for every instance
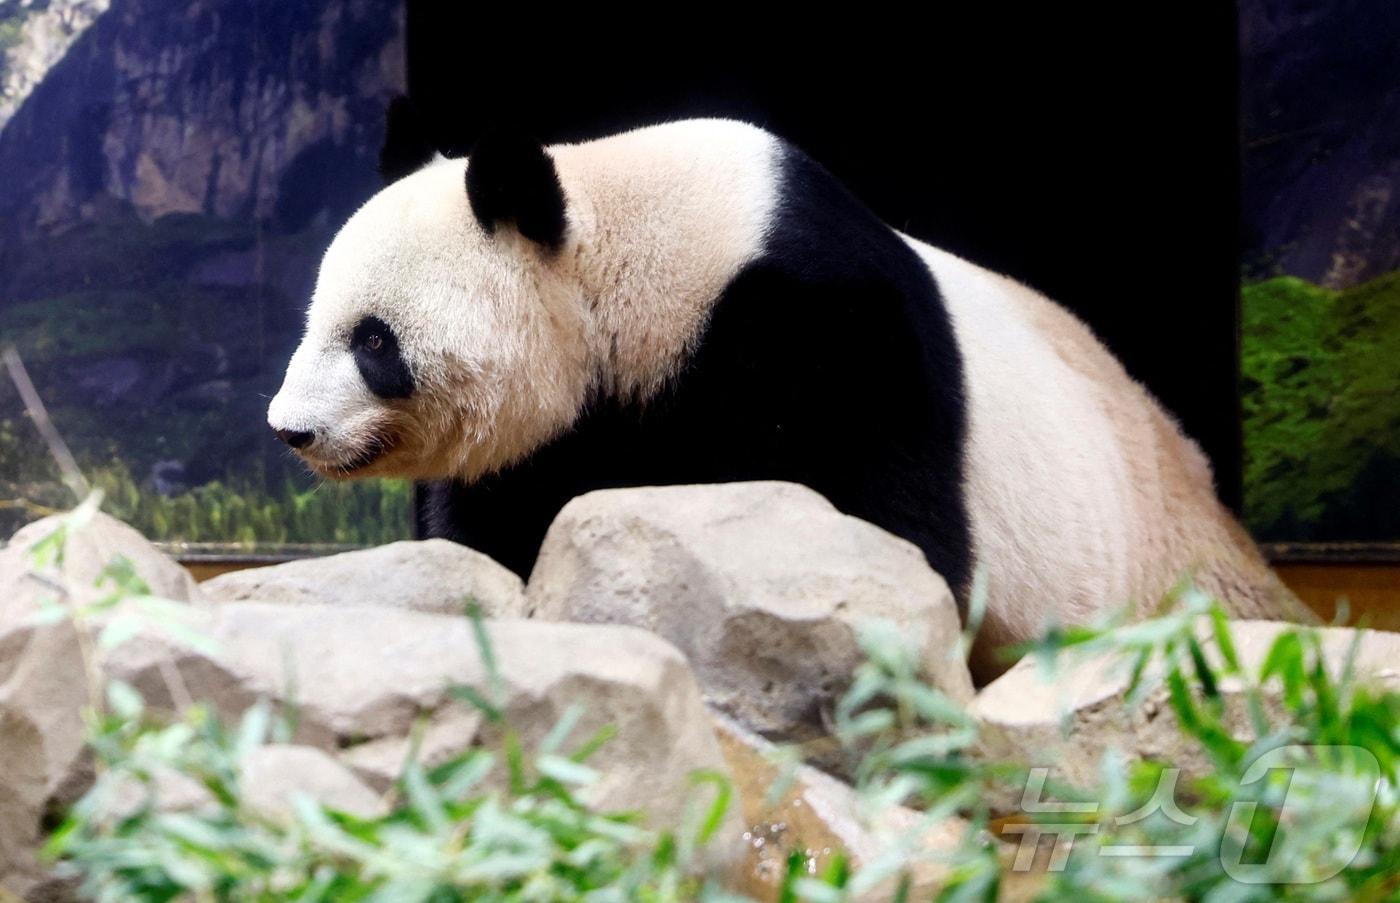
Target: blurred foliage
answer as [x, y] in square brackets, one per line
[1295, 797]
[485, 825]
[1297, 800]
[1321, 400]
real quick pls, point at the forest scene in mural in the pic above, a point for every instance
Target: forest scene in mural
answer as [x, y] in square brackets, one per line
[173, 172]
[1320, 100]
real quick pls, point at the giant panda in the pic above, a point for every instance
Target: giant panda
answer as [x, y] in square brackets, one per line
[699, 301]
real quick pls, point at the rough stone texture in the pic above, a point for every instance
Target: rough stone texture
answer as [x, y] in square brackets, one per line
[379, 762]
[43, 687]
[183, 118]
[369, 673]
[1067, 723]
[22, 783]
[821, 816]
[762, 585]
[89, 549]
[44, 37]
[433, 576]
[270, 778]
[362, 677]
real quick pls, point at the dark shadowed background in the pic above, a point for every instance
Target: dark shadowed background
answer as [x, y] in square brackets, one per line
[1091, 155]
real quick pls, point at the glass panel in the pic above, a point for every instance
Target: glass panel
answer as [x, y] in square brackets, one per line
[1321, 293]
[172, 175]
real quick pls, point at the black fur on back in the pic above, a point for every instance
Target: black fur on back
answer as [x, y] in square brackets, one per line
[829, 361]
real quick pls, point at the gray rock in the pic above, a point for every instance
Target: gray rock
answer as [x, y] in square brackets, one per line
[761, 585]
[88, 550]
[379, 762]
[176, 141]
[433, 576]
[273, 776]
[22, 783]
[1067, 722]
[43, 682]
[270, 779]
[363, 678]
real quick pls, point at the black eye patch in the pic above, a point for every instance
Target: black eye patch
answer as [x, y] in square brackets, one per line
[382, 366]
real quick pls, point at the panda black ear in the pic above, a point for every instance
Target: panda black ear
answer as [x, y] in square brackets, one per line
[407, 147]
[511, 179]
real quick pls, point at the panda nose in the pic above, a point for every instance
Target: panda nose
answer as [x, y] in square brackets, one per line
[295, 438]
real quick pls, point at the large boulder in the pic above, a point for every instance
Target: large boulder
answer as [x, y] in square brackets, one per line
[43, 682]
[362, 680]
[433, 575]
[761, 585]
[1066, 719]
[365, 677]
[88, 550]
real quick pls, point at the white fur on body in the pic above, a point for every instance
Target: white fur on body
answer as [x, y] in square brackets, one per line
[1047, 487]
[1082, 493]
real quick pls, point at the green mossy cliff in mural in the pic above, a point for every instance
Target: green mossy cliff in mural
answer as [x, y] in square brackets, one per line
[1321, 398]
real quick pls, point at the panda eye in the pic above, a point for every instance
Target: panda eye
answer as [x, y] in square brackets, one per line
[376, 350]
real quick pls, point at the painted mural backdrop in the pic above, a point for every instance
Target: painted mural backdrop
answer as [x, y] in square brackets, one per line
[1321, 271]
[173, 170]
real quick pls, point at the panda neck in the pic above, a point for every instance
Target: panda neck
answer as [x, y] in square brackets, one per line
[668, 216]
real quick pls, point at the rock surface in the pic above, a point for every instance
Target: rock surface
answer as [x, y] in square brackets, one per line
[270, 777]
[182, 118]
[1066, 723]
[432, 576]
[42, 35]
[43, 686]
[363, 679]
[88, 550]
[761, 585]
[273, 776]
[821, 816]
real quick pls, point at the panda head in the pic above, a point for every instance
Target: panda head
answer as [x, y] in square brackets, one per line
[446, 336]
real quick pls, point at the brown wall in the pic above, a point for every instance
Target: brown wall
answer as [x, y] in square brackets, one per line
[1372, 591]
